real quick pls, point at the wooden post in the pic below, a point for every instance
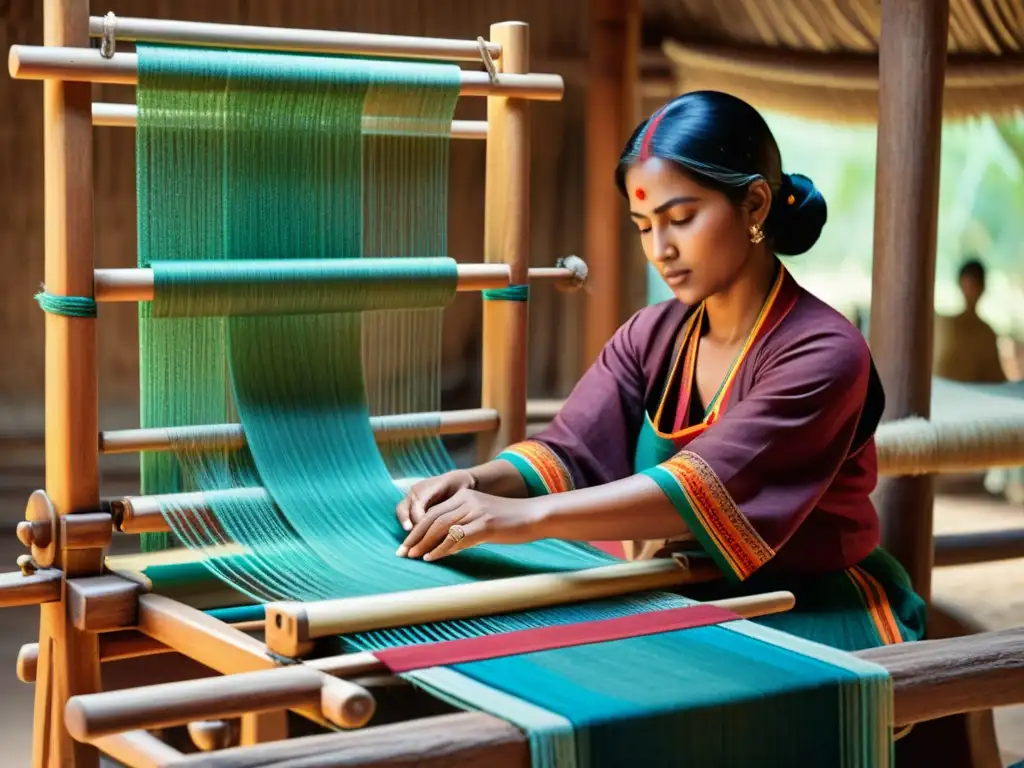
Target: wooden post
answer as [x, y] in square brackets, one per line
[912, 60]
[507, 239]
[68, 658]
[611, 108]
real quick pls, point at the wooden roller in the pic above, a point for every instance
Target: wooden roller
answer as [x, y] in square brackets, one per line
[51, 62]
[138, 284]
[96, 715]
[291, 627]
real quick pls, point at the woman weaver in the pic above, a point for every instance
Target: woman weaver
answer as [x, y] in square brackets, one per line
[735, 421]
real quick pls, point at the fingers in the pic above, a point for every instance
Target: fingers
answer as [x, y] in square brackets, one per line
[436, 532]
[421, 526]
[472, 530]
[412, 508]
[432, 492]
[402, 513]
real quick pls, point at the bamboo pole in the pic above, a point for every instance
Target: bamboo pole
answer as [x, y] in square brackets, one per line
[69, 663]
[288, 39]
[507, 241]
[111, 115]
[912, 57]
[32, 62]
[221, 436]
[138, 284]
[292, 626]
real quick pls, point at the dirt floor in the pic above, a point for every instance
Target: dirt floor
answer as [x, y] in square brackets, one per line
[993, 594]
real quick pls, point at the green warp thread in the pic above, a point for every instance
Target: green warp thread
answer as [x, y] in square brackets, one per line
[512, 293]
[66, 306]
[300, 286]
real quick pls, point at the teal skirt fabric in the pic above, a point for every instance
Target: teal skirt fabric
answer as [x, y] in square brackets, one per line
[869, 605]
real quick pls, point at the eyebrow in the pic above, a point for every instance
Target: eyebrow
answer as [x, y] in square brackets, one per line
[666, 205]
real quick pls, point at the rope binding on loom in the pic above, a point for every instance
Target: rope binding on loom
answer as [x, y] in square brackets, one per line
[66, 306]
[485, 56]
[108, 43]
[512, 293]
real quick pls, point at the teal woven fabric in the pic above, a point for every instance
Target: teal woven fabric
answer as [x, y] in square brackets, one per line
[300, 286]
[256, 165]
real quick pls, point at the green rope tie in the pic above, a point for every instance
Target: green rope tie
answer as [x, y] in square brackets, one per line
[67, 306]
[512, 293]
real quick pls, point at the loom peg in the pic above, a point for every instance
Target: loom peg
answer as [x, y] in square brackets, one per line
[211, 735]
[27, 663]
[36, 62]
[96, 715]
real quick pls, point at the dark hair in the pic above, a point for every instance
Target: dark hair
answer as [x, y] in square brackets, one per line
[723, 143]
[973, 268]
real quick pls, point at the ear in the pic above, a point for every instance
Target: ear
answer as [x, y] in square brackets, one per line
[758, 202]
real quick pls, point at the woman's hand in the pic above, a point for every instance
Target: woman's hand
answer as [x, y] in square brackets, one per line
[427, 493]
[469, 518]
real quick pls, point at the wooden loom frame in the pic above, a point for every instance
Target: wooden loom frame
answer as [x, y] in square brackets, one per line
[89, 616]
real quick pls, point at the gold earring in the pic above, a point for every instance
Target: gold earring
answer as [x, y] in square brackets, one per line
[756, 235]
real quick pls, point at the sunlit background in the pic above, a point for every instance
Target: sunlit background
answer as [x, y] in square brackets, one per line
[981, 214]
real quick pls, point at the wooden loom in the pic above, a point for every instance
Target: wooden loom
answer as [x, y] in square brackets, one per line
[97, 609]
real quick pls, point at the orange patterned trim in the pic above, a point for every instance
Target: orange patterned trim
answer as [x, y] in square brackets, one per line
[546, 463]
[767, 319]
[878, 605]
[727, 527]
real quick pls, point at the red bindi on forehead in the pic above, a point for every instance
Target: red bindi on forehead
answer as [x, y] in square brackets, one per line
[640, 194]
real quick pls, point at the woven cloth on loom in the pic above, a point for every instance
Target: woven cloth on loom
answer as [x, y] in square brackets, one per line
[261, 165]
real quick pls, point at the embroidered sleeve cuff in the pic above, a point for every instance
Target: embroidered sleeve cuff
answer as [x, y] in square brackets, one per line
[539, 466]
[703, 502]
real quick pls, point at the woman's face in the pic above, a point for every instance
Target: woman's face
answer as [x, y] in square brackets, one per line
[696, 238]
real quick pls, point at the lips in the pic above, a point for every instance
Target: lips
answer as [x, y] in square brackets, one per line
[676, 277]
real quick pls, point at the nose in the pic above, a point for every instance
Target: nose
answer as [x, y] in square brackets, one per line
[664, 249]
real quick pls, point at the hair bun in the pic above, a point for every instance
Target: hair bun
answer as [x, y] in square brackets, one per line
[798, 215]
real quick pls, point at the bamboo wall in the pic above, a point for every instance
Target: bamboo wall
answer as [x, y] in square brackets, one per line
[558, 37]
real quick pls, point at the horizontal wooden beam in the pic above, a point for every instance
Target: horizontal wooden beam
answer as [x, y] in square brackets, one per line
[116, 115]
[978, 547]
[935, 678]
[34, 588]
[462, 740]
[228, 436]
[37, 62]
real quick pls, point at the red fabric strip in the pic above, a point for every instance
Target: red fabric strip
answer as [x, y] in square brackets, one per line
[410, 657]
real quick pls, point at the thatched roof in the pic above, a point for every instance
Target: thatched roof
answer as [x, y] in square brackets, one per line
[819, 58]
